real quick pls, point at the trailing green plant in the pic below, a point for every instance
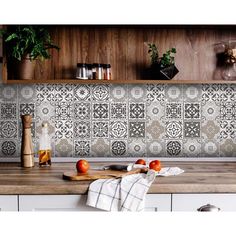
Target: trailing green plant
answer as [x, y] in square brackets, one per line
[167, 59]
[33, 41]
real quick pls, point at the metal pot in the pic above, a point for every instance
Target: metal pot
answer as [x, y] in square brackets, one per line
[209, 207]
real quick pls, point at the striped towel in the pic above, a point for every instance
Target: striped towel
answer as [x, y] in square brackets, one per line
[124, 194]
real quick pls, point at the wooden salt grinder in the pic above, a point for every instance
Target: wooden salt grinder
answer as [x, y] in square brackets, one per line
[27, 151]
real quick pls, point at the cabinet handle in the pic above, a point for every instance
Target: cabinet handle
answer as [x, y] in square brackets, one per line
[208, 207]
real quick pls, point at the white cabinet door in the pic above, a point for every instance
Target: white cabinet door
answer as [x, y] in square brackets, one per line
[191, 202]
[54, 203]
[158, 202]
[154, 202]
[8, 203]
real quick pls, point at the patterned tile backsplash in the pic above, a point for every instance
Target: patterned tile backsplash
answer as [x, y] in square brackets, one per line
[123, 120]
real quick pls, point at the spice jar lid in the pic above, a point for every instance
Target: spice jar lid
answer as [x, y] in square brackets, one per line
[107, 65]
[97, 64]
[81, 64]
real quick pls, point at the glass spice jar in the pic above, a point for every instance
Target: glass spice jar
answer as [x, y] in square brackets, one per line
[107, 71]
[81, 72]
[98, 71]
[89, 71]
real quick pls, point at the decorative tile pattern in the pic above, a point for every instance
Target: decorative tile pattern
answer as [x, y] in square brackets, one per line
[210, 130]
[82, 92]
[63, 148]
[8, 93]
[82, 148]
[155, 148]
[155, 130]
[8, 129]
[8, 111]
[118, 111]
[45, 92]
[137, 92]
[191, 110]
[63, 111]
[191, 129]
[82, 111]
[118, 129]
[100, 129]
[118, 148]
[210, 148]
[136, 129]
[192, 147]
[192, 93]
[8, 148]
[228, 111]
[173, 148]
[100, 92]
[119, 92]
[174, 92]
[155, 92]
[136, 110]
[63, 129]
[101, 111]
[64, 92]
[173, 111]
[26, 93]
[174, 129]
[141, 120]
[82, 129]
[100, 148]
[27, 108]
[137, 147]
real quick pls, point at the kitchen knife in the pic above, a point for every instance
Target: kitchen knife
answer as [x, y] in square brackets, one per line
[119, 167]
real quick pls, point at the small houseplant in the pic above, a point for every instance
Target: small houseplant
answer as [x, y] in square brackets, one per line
[162, 67]
[24, 44]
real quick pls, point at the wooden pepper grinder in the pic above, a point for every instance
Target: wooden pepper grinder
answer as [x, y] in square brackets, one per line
[27, 151]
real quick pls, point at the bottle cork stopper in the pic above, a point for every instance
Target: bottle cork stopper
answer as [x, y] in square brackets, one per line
[44, 124]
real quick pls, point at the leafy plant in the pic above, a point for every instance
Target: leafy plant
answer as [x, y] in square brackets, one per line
[167, 58]
[27, 40]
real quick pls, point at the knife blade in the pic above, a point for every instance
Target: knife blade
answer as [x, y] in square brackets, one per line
[119, 167]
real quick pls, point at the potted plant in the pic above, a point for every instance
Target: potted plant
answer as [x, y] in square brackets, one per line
[25, 44]
[162, 68]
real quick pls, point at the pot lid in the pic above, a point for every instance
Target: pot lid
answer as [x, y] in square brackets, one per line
[208, 207]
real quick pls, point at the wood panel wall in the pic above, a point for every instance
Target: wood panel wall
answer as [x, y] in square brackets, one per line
[124, 48]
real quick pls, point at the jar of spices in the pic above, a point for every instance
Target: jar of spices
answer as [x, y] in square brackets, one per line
[89, 71]
[81, 72]
[107, 71]
[98, 71]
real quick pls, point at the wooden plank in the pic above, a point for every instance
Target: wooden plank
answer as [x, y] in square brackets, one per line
[102, 174]
[199, 177]
[120, 81]
[123, 47]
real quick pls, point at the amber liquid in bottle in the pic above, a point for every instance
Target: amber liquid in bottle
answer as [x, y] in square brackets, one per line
[44, 157]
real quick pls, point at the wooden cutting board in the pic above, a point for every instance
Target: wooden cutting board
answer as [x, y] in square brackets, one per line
[99, 174]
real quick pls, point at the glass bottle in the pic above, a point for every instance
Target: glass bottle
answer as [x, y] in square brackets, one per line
[98, 71]
[45, 150]
[107, 71]
[81, 72]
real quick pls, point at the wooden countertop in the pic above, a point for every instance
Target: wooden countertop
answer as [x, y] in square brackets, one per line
[199, 177]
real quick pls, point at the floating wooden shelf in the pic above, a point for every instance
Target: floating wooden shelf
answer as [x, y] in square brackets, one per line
[120, 81]
[124, 47]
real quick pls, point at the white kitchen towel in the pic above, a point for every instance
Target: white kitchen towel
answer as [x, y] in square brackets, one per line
[127, 193]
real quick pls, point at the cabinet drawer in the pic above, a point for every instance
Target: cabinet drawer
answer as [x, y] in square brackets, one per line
[154, 202]
[54, 203]
[191, 202]
[158, 202]
[8, 203]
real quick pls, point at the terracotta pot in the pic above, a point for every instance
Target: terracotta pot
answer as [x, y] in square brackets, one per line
[25, 69]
